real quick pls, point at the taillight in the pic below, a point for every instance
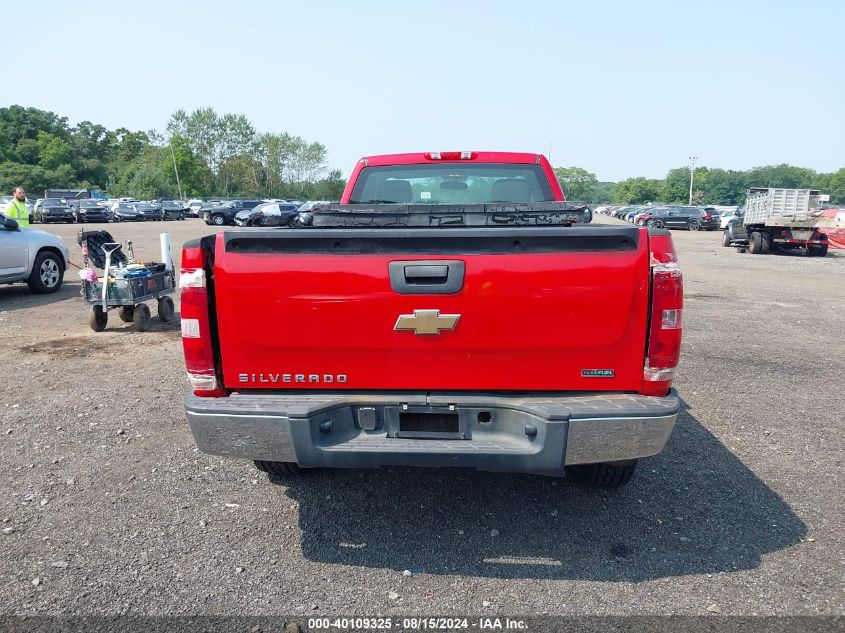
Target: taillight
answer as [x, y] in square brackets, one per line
[707, 217]
[451, 155]
[666, 319]
[196, 331]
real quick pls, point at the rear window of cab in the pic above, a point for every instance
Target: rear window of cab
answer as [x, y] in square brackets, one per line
[451, 183]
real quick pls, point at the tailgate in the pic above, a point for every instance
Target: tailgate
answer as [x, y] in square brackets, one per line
[525, 309]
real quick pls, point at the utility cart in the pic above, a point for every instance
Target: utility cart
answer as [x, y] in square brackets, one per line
[124, 285]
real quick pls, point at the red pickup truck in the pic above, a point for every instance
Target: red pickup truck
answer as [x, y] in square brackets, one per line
[486, 336]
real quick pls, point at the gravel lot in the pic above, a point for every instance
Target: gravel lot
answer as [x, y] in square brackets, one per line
[108, 508]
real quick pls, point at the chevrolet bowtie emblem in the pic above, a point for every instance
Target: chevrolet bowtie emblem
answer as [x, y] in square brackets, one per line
[426, 322]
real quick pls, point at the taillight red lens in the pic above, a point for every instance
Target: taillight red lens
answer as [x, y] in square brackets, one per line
[665, 328]
[196, 331]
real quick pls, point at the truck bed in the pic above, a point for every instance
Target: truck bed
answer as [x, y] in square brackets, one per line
[781, 207]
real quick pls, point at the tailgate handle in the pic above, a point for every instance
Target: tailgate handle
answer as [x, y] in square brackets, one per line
[427, 277]
[426, 274]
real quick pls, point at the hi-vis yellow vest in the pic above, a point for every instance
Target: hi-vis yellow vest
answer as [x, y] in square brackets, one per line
[18, 211]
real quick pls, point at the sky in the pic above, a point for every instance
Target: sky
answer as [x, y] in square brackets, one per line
[620, 88]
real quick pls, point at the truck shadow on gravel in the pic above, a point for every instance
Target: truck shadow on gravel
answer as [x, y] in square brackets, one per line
[694, 509]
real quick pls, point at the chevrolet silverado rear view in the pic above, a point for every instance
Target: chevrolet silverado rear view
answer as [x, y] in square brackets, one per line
[453, 310]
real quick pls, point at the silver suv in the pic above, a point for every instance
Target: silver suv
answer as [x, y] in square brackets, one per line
[38, 258]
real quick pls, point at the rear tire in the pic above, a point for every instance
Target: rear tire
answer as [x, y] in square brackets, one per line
[99, 319]
[166, 309]
[817, 250]
[765, 243]
[142, 317]
[278, 469]
[755, 243]
[608, 475]
[126, 314]
[694, 225]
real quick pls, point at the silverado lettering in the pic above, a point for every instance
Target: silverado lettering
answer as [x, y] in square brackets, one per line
[292, 378]
[517, 335]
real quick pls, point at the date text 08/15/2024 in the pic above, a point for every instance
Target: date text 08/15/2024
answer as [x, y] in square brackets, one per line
[419, 624]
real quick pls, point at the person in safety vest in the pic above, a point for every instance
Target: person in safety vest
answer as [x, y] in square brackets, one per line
[17, 210]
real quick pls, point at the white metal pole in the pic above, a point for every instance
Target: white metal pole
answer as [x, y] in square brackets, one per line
[692, 160]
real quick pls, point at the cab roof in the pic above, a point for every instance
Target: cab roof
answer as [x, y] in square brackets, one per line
[477, 157]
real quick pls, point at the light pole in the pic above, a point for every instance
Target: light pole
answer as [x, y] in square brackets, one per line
[692, 160]
[179, 186]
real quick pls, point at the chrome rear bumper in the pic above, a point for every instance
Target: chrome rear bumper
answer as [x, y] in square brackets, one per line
[537, 433]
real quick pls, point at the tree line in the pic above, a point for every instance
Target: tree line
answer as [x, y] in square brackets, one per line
[710, 185]
[215, 156]
[223, 155]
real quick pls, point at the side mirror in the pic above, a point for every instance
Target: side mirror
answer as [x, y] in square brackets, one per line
[588, 216]
[10, 225]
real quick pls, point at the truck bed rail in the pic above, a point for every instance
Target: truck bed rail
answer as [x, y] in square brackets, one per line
[447, 215]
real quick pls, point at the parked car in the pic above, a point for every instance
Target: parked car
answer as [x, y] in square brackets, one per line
[35, 257]
[307, 206]
[91, 210]
[53, 210]
[628, 213]
[267, 214]
[194, 207]
[208, 206]
[734, 230]
[620, 213]
[173, 210]
[649, 216]
[727, 216]
[692, 218]
[148, 211]
[125, 212]
[226, 212]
